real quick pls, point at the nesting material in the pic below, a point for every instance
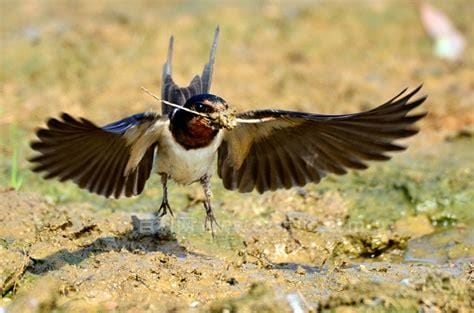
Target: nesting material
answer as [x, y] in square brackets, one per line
[224, 119]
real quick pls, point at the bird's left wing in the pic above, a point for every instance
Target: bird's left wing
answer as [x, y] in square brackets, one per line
[280, 149]
[114, 160]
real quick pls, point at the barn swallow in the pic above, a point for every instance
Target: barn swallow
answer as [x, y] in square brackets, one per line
[262, 150]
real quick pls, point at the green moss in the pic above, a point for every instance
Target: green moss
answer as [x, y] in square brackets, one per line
[442, 188]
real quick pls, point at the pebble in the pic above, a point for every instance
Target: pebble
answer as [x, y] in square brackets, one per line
[405, 282]
[300, 270]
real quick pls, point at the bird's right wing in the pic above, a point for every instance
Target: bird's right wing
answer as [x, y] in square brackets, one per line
[171, 92]
[114, 160]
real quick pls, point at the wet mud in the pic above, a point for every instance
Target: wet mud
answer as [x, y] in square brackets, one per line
[73, 259]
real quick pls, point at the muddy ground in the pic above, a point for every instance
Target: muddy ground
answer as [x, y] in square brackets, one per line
[74, 259]
[397, 237]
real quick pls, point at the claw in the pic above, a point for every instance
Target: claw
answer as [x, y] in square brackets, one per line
[164, 209]
[210, 220]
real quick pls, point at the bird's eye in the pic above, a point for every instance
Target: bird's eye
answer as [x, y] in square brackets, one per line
[200, 107]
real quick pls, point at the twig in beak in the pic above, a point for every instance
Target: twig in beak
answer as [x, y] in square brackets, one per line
[174, 104]
[224, 119]
[253, 120]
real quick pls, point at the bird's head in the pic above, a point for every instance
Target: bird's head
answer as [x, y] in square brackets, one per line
[215, 112]
[200, 120]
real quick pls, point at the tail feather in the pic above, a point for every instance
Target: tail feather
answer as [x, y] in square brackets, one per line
[171, 92]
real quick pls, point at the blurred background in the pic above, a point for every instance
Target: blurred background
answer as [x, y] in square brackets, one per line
[90, 58]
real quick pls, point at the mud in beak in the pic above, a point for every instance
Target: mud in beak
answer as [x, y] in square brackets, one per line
[223, 119]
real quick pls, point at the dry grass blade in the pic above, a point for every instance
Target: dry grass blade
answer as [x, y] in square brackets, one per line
[174, 104]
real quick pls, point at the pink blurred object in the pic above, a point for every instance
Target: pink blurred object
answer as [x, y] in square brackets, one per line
[449, 42]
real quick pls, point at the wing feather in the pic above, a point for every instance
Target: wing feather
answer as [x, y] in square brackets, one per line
[286, 149]
[97, 158]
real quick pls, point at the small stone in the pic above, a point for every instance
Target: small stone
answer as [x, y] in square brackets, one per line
[232, 281]
[405, 282]
[363, 268]
[300, 270]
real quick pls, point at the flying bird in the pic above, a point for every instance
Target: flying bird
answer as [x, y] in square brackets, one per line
[256, 150]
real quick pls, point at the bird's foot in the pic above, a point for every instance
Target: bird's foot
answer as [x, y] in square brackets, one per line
[164, 209]
[210, 221]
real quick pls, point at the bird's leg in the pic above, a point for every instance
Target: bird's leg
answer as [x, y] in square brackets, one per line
[164, 207]
[210, 218]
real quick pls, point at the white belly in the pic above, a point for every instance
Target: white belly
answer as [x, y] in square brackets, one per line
[185, 166]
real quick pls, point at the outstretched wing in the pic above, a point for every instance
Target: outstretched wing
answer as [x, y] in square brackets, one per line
[114, 160]
[284, 149]
[199, 85]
